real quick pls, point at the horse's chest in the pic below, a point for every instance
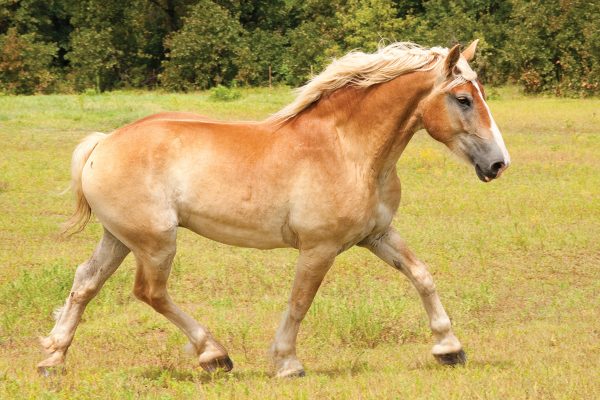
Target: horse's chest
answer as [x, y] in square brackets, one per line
[373, 214]
[383, 215]
[386, 203]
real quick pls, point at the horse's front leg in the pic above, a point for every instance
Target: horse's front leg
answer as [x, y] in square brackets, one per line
[393, 250]
[311, 269]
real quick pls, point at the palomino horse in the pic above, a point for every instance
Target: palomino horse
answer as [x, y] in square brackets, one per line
[318, 176]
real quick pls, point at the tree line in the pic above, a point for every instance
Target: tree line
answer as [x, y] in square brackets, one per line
[73, 45]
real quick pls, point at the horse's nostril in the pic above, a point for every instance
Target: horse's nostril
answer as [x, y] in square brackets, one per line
[497, 166]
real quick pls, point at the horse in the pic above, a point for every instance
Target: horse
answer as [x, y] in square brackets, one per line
[318, 176]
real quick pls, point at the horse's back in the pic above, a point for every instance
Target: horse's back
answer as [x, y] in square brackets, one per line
[172, 115]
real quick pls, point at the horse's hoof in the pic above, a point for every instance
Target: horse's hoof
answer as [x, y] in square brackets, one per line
[224, 363]
[298, 373]
[50, 371]
[289, 367]
[452, 358]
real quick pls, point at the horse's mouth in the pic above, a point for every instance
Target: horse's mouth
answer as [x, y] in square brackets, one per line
[483, 177]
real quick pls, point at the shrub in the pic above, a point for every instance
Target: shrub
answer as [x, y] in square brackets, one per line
[554, 46]
[202, 54]
[95, 58]
[25, 64]
[223, 93]
[265, 49]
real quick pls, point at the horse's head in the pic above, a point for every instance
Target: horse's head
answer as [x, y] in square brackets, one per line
[456, 114]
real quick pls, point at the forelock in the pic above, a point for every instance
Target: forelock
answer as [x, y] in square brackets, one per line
[465, 74]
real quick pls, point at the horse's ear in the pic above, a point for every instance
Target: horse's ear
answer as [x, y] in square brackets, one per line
[452, 59]
[469, 52]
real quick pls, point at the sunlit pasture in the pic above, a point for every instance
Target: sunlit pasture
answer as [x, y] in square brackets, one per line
[516, 263]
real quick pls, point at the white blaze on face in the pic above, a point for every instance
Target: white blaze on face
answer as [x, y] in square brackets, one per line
[494, 128]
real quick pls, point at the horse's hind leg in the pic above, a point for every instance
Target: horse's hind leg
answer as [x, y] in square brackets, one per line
[89, 278]
[153, 268]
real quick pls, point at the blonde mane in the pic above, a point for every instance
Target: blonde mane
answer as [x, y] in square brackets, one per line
[363, 70]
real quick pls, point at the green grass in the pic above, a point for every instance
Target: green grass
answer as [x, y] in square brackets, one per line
[516, 262]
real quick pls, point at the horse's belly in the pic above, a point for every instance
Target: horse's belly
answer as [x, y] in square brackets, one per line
[243, 232]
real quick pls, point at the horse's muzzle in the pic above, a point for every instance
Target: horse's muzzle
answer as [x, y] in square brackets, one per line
[492, 172]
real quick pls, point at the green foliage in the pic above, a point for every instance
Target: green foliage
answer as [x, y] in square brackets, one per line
[94, 57]
[545, 46]
[556, 46]
[313, 42]
[264, 50]
[111, 45]
[270, 15]
[443, 23]
[47, 19]
[223, 93]
[25, 63]
[204, 52]
[365, 23]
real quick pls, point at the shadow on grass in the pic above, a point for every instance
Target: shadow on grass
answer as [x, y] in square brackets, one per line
[474, 364]
[158, 374]
[349, 370]
[362, 367]
[198, 376]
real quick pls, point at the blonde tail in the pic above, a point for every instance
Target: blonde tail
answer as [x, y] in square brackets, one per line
[83, 212]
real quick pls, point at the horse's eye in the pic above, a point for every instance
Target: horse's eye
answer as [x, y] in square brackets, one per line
[465, 101]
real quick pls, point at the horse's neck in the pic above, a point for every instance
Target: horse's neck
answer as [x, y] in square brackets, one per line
[376, 124]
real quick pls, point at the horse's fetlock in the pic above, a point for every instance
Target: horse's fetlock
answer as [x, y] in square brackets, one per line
[441, 325]
[191, 349]
[48, 343]
[279, 350]
[54, 343]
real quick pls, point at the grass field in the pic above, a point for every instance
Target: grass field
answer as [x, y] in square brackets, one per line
[516, 261]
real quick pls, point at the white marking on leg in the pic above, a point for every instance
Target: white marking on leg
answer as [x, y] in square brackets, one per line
[494, 128]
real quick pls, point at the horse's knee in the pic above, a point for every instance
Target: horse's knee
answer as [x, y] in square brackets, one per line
[424, 281]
